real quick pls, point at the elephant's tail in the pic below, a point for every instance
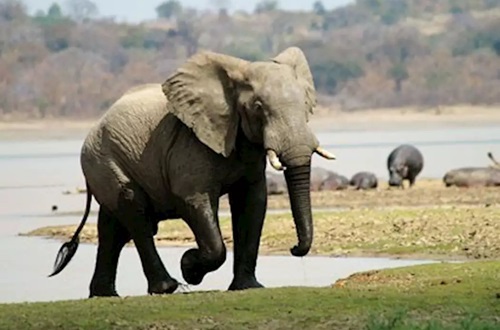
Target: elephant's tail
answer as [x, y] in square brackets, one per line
[68, 249]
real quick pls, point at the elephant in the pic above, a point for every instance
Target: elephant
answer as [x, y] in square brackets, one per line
[334, 181]
[364, 181]
[405, 162]
[276, 184]
[171, 150]
[472, 177]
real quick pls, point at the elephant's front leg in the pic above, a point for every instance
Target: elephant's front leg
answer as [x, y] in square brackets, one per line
[248, 203]
[200, 213]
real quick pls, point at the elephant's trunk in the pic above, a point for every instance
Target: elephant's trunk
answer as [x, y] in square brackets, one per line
[298, 182]
[292, 153]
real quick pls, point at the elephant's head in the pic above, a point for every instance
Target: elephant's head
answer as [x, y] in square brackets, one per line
[271, 101]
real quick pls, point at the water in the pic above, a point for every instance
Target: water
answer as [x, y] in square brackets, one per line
[34, 172]
[443, 148]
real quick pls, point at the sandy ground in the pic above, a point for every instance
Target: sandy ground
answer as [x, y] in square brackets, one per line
[324, 119]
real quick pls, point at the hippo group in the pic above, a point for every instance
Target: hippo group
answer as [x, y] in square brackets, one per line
[324, 180]
[404, 163]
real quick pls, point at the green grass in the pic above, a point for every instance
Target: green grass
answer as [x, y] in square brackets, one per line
[439, 296]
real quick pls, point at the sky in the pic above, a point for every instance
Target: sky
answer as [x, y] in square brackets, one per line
[140, 10]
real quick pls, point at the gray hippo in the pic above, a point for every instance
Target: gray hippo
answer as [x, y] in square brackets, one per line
[404, 163]
[318, 175]
[334, 182]
[276, 184]
[472, 177]
[321, 179]
[364, 181]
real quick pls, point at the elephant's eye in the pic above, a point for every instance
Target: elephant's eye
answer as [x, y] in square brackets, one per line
[257, 106]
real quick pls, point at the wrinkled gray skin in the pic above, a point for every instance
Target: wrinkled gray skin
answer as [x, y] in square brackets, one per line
[334, 182]
[276, 184]
[404, 163]
[364, 181]
[472, 177]
[172, 150]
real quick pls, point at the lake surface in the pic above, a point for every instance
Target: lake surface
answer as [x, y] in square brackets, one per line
[33, 173]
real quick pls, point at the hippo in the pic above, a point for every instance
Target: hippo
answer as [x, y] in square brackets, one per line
[472, 177]
[334, 182]
[276, 184]
[364, 181]
[318, 175]
[404, 163]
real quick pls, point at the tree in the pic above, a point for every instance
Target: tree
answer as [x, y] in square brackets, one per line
[11, 10]
[319, 8]
[54, 11]
[398, 73]
[169, 9]
[57, 35]
[221, 4]
[265, 6]
[374, 6]
[189, 34]
[81, 10]
[393, 11]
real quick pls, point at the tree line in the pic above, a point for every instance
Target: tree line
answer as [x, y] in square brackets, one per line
[68, 61]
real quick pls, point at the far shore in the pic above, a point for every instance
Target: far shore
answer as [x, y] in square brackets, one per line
[324, 120]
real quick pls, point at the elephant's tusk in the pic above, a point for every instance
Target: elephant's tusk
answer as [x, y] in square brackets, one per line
[274, 161]
[324, 153]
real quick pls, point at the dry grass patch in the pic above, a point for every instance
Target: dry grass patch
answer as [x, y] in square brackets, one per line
[454, 232]
[424, 193]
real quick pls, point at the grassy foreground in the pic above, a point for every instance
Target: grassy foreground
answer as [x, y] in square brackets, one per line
[441, 296]
[438, 233]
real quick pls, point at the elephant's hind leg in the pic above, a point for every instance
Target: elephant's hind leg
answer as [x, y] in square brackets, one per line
[200, 214]
[132, 211]
[112, 238]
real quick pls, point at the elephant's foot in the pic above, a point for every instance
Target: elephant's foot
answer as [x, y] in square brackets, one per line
[191, 271]
[103, 291]
[243, 283]
[194, 267]
[163, 287]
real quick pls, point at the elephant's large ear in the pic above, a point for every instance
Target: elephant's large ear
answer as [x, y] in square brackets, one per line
[201, 94]
[294, 57]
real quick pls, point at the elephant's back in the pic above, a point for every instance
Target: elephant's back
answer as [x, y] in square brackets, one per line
[131, 120]
[125, 140]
